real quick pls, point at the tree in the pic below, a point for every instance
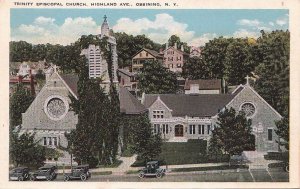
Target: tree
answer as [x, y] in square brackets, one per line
[273, 56]
[146, 144]
[20, 51]
[157, 79]
[24, 150]
[95, 139]
[283, 132]
[129, 45]
[233, 132]
[214, 54]
[195, 68]
[20, 100]
[237, 63]
[175, 39]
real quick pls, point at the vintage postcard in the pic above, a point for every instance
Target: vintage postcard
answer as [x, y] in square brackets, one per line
[149, 94]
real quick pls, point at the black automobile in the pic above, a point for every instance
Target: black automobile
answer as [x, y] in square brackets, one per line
[152, 169]
[19, 173]
[286, 167]
[78, 172]
[44, 173]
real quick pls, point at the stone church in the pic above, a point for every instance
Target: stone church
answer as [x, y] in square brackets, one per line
[50, 117]
[179, 117]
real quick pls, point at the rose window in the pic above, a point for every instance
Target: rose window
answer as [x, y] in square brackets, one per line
[56, 108]
[249, 109]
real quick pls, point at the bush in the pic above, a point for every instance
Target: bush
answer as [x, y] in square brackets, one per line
[191, 152]
[282, 156]
[93, 162]
[115, 164]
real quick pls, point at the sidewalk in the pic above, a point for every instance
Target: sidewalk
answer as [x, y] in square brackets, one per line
[127, 161]
[256, 160]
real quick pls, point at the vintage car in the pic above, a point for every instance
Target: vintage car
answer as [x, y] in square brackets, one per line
[152, 169]
[78, 172]
[19, 173]
[286, 167]
[44, 173]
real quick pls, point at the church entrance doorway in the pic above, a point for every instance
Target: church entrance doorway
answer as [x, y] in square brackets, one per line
[178, 130]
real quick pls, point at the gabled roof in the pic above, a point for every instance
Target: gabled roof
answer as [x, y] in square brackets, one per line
[126, 72]
[178, 50]
[71, 81]
[202, 105]
[152, 52]
[129, 104]
[204, 84]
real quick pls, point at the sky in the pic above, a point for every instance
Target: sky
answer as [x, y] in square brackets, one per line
[196, 26]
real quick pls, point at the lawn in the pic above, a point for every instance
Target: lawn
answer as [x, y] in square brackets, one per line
[191, 152]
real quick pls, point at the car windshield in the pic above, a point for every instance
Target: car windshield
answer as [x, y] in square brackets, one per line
[77, 170]
[43, 170]
[16, 171]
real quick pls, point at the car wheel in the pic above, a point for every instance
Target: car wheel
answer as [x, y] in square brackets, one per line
[26, 176]
[32, 178]
[141, 174]
[158, 175]
[49, 178]
[83, 177]
[20, 178]
[287, 168]
[66, 178]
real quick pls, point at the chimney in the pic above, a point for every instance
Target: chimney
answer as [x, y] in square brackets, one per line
[167, 45]
[31, 83]
[182, 48]
[161, 50]
[175, 45]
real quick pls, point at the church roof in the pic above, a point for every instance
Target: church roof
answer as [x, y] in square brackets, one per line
[204, 84]
[201, 105]
[129, 104]
[71, 80]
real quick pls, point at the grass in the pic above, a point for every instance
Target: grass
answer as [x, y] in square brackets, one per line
[114, 165]
[102, 173]
[276, 165]
[132, 172]
[282, 156]
[222, 167]
[191, 152]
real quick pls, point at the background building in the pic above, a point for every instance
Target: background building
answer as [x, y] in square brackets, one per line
[98, 67]
[174, 58]
[144, 55]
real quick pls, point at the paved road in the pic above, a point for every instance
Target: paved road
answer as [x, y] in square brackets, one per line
[272, 175]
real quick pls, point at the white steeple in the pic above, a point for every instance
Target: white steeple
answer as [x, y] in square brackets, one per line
[105, 27]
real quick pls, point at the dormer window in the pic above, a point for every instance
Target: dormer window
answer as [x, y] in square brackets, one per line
[158, 114]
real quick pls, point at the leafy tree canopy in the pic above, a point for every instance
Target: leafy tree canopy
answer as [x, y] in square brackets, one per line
[195, 68]
[156, 79]
[283, 132]
[25, 150]
[273, 57]
[20, 100]
[233, 132]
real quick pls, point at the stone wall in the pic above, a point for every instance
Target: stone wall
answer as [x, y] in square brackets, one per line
[263, 119]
